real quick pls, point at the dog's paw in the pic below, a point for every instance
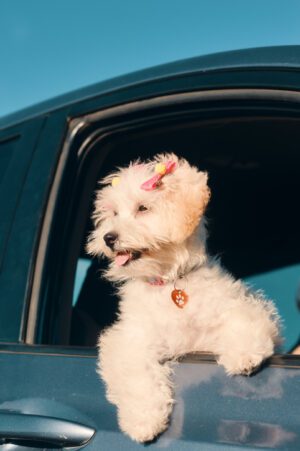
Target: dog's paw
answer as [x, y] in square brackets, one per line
[240, 364]
[143, 431]
[145, 424]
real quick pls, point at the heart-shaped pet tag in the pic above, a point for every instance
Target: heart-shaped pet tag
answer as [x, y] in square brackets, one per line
[179, 298]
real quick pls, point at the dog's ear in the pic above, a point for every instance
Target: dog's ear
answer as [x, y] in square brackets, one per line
[185, 194]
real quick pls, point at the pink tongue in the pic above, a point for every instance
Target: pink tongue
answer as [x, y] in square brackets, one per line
[121, 259]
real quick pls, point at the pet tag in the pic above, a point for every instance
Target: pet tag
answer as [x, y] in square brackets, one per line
[179, 297]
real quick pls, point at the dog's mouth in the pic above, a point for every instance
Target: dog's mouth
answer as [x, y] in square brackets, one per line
[123, 258]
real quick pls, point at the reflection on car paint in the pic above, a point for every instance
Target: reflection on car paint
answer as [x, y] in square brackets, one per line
[255, 434]
[213, 408]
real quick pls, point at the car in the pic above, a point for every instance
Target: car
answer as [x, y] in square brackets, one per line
[235, 114]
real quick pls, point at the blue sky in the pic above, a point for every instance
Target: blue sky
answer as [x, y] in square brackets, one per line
[51, 47]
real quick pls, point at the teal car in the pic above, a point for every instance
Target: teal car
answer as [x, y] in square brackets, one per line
[235, 114]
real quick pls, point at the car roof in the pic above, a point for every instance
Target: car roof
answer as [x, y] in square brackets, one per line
[287, 57]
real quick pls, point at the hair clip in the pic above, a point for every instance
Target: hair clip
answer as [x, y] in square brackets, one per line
[115, 181]
[161, 170]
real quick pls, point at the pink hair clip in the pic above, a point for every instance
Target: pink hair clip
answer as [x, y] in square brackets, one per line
[161, 170]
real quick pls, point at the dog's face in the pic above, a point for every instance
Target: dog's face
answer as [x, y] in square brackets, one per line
[145, 209]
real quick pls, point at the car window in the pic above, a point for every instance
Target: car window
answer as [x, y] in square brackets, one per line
[6, 153]
[83, 265]
[254, 178]
[17, 146]
[13, 165]
[282, 285]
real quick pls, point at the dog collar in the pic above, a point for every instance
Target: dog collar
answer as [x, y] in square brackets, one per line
[178, 294]
[156, 281]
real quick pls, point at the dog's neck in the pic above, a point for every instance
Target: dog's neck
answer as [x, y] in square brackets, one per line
[179, 260]
[161, 281]
[182, 260]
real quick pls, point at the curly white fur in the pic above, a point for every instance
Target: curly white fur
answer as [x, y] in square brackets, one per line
[222, 316]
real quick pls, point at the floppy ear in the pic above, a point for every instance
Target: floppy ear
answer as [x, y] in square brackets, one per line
[186, 196]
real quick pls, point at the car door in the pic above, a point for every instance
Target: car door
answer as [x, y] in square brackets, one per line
[50, 394]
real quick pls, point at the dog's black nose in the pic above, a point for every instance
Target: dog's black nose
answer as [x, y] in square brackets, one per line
[110, 238]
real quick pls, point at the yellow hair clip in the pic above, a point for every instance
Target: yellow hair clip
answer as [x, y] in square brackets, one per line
[160, 168]
[115, 181]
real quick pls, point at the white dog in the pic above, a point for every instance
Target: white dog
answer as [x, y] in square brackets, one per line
[175, 298]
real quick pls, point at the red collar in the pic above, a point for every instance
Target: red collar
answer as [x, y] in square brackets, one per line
[179, 297]
[156, 281]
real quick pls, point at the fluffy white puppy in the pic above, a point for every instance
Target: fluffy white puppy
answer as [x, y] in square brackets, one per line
[175, 298]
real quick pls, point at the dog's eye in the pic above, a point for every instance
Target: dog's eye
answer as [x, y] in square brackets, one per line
[142, 208]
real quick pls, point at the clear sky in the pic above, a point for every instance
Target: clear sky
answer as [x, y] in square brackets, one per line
[49, 47]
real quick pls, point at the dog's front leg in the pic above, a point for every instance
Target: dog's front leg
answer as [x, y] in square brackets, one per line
[136, 381]
[248, 336]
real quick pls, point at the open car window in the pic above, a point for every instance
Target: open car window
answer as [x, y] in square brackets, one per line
[253, 163]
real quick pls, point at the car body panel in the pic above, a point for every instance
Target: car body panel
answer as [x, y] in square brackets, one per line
[212, 410]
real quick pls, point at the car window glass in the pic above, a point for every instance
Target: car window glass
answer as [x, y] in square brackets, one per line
[6, 153]
[83, 265]
[17, 152]
[254, 182]
[282, 285]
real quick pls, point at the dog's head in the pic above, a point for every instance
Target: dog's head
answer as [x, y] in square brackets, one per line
[146, 208]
